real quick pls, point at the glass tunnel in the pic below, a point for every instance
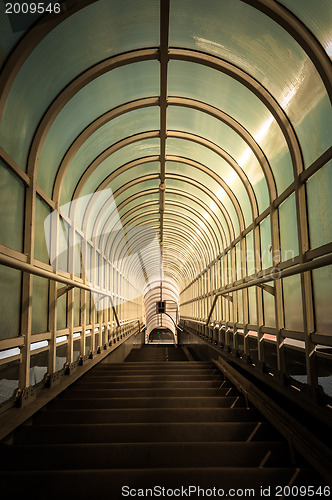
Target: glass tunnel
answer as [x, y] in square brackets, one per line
[174, 153]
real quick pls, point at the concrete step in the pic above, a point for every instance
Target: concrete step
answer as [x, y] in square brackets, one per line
[145, 432]
[140, 392]
[117, 415]
[117, 483]
[124, 455]
[146, 384]
[138, 402]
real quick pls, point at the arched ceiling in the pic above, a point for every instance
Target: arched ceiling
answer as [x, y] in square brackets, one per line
[191, 116]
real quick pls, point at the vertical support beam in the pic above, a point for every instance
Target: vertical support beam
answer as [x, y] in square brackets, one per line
[27, 283]
[164, 33]
[52, 326]
[245, 300]
[70, 319]
[259, 294]
[235, 301]
[306, 284]
[83, 321]
[278, 297]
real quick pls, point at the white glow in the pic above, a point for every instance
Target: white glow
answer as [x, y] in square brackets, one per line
[87, 331]
[329, 48]
[76, 335]
[221, 194]
[201, 223]
[63, 338]
[38, 345]
[213, 205]
[8, 353]
[206, 216]
[198, 232]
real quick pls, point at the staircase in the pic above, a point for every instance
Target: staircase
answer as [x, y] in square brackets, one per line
[152, 421]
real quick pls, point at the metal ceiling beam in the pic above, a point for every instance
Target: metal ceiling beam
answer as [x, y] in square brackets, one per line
[73, 88]
[89, 131]
[300, 32]
[164, 34]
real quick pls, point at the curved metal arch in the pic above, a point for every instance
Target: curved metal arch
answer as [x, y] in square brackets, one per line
[182, 224]
[181, 54]
[213, 197]
[152, 191]
[136, 217]
[165, 287]
[301, 33]
[108, 152]
[186, 102]
[280, 14]
[72, 89]
[182, 205]
[256, 88]
[120, 170]
[216, 178]
[90, 130]
[110, 178]
[190, 181]
[239, 130]
[182, 236]
[186, 265]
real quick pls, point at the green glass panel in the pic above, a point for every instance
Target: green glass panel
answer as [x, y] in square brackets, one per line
[317, 16]
[11, 209]
[95, 99]
[313, 127]
[266, 245]
[200, 123]
[61, 310]
[77, 307]
[77, 268]
[293, 303]
[11, 30]
[131, 152]
[252, 305]
[319, 196]
[10, 302]
[189, 189]
[322, 284]
[251, 268]
[220, 90]
[134, 173]
[208, 158]
[39, 305]
[140, 187]
[63, 245]
[240, 306]
[238, 261]
[239, 33]
[93, 34]
[188, 171]
[41, 249]
[288, 229]
[269, 308]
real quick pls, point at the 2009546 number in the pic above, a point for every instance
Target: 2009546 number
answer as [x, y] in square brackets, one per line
[302, 491]
[32, 8]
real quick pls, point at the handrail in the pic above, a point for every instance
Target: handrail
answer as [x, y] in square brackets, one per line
[8, 261]
[273, 275]
[298, 436]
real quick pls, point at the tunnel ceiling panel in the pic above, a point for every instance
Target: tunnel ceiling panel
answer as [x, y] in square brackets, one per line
[98, 137]
[186, 133]
[249, 39]
[317, 16]
[93, 34]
